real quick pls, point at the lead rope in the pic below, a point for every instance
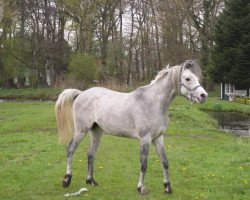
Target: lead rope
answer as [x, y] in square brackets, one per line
[75, 194]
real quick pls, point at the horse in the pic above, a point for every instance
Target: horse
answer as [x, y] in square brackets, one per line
[140, 114]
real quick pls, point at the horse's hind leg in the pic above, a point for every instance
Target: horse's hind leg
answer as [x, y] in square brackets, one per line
[159, 147]
[70, 151]
[95, 135]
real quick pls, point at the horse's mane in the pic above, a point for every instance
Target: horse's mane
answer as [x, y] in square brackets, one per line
[190, 64]
[161, 74]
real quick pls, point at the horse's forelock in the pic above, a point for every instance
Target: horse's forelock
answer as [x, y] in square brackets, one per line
[193, 67]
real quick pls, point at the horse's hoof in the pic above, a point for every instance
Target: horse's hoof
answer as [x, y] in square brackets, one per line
[92, 182]
[142, 191]
[67, 180]
[168, 189]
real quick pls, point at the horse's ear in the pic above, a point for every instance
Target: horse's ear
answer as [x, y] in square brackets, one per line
[193, 67]
[190, 64]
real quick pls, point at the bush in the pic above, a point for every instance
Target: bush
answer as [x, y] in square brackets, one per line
[83, 67]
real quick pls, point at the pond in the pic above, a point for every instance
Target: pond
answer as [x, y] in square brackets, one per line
[237, 123]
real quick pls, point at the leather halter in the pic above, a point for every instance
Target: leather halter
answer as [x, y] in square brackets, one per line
[191, 90]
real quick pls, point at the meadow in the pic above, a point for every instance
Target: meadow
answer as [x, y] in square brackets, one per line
[29, 93]
[205, 163]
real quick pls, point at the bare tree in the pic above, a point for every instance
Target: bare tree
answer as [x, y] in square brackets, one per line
[130, 39]
[203, 13]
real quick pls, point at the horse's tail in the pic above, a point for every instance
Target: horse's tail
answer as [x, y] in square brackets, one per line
[64, 115]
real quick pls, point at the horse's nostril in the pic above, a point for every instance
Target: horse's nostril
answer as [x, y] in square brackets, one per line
[203, 96]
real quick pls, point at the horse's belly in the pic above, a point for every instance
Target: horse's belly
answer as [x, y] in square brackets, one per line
[121, 128]
[122, 134]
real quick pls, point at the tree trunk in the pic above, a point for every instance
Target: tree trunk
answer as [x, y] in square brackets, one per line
[130, 45]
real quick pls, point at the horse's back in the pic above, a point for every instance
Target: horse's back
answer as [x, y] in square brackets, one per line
[100, 91]
[106, 107]
[90, 98]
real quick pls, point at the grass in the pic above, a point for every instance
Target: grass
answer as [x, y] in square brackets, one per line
[243, 100]
[205, 163]
[29, 93]
[214, 104]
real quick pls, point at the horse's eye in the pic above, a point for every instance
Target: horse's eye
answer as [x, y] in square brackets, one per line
[187, 79]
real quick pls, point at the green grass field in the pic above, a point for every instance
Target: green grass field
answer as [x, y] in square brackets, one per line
[30, 93]
[205, 163]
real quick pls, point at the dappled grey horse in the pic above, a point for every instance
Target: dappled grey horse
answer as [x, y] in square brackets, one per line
[141, 114]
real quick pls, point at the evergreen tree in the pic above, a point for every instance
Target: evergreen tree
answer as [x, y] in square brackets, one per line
[230, 57]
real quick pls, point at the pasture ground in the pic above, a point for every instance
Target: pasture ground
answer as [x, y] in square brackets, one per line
[205, 163]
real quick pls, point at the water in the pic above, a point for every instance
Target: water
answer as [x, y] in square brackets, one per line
[237, 123]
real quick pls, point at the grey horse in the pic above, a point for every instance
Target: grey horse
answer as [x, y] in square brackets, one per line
[141, 114]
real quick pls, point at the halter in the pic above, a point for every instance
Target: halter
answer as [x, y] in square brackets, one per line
[191, 90]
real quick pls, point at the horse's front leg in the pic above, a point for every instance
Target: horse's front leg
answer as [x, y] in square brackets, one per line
[143, 158]
[159, 147]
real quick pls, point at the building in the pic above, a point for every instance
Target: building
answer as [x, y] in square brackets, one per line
[230, 91]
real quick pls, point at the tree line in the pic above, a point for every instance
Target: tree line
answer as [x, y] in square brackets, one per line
[127, 41]
[230, 54]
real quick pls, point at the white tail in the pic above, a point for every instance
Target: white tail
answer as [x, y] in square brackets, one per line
[64, 115]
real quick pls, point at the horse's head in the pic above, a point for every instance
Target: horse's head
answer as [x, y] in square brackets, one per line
[189, 82]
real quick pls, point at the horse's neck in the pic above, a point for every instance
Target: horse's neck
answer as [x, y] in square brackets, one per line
[165, 90]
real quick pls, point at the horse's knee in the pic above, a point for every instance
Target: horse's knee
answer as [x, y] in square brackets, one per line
[144, 154]
[165, 164]
[90, 159]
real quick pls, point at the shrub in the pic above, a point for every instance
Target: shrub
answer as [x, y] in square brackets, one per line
[83, 67]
